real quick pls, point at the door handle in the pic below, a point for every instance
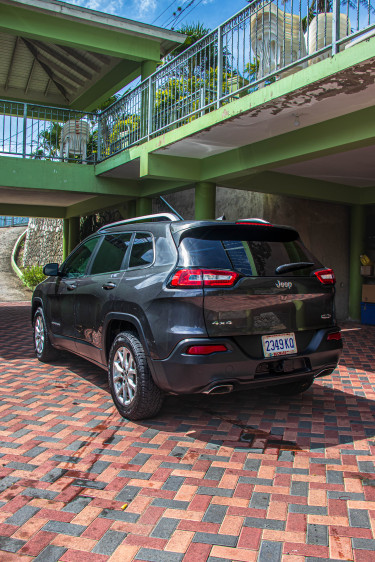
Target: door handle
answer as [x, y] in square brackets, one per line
[109, 286]
[71, 286]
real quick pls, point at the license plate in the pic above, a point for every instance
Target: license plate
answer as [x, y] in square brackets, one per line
[279, 344]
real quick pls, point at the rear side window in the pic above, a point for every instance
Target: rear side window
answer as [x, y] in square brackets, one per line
[111, 253]
[256, 258]
[142, 252]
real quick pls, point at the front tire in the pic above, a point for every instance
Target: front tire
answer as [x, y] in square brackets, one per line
[293, 388]
[133, 390]
[43, 348]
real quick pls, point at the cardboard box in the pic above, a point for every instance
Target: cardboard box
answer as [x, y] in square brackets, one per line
[367, 270]
[368, 293]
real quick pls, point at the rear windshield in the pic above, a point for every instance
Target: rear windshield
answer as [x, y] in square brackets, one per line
[257, 258]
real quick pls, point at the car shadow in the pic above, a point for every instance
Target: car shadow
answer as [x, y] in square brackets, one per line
[334, 411]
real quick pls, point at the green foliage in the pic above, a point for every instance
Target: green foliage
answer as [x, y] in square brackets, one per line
[194, 32]
[32, 276]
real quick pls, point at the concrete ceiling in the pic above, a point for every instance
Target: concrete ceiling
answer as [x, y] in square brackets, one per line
[29, 196]
[355, 168]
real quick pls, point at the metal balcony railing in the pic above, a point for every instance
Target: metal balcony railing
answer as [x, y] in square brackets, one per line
[263, 43]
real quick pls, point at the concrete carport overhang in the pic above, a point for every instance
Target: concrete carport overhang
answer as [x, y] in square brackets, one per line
[58, 54]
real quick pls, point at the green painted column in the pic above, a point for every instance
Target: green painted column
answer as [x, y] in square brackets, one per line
[73, 233]
[128, 210]
[143, 206]
[148, 67]
[205, 200]
[357, 241]
[65, 239]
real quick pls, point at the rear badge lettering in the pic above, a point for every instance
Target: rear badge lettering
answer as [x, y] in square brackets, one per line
[284, 284]
[221, 323]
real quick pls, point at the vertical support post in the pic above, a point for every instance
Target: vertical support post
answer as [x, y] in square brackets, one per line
[73, 233]
[99, 141]
[65, 239]
[357, 231]
[220, 61]
[335, 26]
[143, 206]
[149, 109]
[205, 200]
[148, 67]
[24, 131]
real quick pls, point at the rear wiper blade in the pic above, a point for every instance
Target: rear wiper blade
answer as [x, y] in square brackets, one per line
[293, 266]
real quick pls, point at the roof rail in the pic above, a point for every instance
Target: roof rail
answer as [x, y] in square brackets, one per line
[161, 216]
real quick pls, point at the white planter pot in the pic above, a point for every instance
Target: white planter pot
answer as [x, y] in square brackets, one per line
[320, 34]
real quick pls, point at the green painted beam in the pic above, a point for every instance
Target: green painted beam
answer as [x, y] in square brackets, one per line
[169, 167]
[80, 35]
[61, 176]
[17, 21]
[357, 241]
[154, 188]
[340, 134]
[121, 75]
[42, 211]
[296, 186]
[366, 195]
[94, 205]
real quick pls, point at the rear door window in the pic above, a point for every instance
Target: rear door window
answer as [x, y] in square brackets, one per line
[142, 252]
[111, 254]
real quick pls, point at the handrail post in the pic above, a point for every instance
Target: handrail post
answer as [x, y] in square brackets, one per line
[99, 141]
[24, 131]
[149, 110]
[335, 25]
[219, 91]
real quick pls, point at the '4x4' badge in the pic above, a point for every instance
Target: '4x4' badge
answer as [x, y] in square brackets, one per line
[222, 323]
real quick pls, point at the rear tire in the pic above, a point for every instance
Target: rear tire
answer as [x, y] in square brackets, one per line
[43, 348]
[133, 390]
[293, 388]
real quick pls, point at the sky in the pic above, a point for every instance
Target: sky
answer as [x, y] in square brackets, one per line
[209, 12]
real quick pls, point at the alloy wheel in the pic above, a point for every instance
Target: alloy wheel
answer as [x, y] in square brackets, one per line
[39, 335]
[124, 375]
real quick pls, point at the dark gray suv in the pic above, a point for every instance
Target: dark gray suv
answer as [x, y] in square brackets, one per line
[180, 307]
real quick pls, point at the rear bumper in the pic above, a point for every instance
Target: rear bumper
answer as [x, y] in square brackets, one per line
[181, 373]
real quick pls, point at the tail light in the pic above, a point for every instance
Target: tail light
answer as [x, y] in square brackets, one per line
[334, 336]
[326, 276]
[205, 349]
[204, 278]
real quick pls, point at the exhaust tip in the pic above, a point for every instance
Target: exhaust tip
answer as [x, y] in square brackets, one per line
[220, 389]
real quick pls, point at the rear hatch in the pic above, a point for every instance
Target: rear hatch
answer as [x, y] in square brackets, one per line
[279, 286]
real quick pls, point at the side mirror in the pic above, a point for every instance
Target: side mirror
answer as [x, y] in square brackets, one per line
[51, 269]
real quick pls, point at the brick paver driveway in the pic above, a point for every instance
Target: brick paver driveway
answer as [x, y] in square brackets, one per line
[245, 477]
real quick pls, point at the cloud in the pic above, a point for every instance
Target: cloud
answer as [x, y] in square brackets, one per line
[145, 7]
[107, 6]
